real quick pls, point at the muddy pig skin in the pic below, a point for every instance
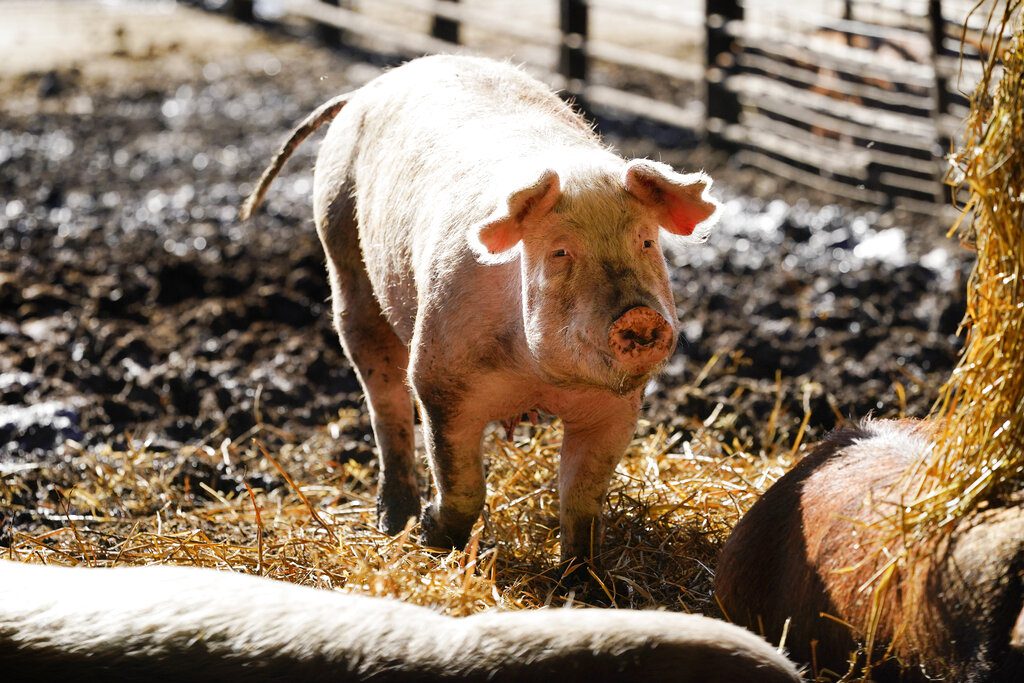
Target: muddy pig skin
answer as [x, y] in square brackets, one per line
[802, 552]
[185, 624]
[488, 257]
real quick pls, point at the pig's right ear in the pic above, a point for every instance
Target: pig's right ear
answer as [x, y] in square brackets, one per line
[494, 239]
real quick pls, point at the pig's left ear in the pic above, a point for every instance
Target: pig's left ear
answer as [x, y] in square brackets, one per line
[680, 201]
[495, 238]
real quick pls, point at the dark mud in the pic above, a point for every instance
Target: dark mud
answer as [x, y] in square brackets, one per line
[134, 304]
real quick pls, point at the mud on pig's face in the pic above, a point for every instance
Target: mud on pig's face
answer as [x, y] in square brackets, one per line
[596, 300]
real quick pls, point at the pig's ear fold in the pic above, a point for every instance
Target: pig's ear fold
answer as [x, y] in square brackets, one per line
[495, 238]
[680, 201]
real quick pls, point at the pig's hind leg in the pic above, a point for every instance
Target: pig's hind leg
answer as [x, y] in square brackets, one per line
[379, 358]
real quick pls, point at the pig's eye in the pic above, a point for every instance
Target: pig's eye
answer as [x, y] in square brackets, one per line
[648, 244]
[559, 253]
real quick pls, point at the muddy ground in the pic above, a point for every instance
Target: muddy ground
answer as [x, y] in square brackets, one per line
[135, 306]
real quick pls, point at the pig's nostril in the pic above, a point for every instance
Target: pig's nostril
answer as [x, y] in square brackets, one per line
[641, 337]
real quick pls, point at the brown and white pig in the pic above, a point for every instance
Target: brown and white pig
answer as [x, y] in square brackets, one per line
[184, 624]
[488, 256]
[806, 552]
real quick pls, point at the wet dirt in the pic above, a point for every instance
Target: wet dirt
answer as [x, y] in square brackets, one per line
[135, 305]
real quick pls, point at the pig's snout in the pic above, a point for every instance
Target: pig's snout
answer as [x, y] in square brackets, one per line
[641, 338]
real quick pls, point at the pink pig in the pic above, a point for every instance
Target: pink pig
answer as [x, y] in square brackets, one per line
[489, 256]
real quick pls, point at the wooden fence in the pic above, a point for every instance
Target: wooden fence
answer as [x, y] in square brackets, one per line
[861, 98]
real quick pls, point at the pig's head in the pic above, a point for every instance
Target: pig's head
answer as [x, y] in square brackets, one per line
[597, 306]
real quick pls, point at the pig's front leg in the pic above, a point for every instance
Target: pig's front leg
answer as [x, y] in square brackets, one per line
[453, 442]
[593, 445]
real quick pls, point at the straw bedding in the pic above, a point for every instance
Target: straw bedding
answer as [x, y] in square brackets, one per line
[291, 515]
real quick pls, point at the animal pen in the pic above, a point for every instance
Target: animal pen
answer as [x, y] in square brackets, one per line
[859, 98]
[172, 391]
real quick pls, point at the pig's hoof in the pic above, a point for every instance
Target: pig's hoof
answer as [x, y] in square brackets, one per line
[570, 574]
[437, 534]
[586, 581]
[395, 509]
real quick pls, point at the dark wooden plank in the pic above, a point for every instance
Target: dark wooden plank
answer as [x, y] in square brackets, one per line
[356, 22]
[853, 167]
[329, 35]
[642, 59]
[445, 27]
[836, 143]
[801, 104]
[682, 14]
[906, 186]
[466, 15]
[241, 9]
[809, 177]
[825, 53]
[806, 76]
[645, 107]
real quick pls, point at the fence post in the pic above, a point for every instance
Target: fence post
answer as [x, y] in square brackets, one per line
[445, 28]
[848, 16]
[572, 59]
[327, 34]
[721, 50]
[240, 10]
[937, 33]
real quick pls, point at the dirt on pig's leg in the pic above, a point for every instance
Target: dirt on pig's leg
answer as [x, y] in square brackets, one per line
[380, 360]
[595, 439]
[453, 443]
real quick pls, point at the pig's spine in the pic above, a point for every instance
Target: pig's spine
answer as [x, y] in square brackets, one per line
[321, 115]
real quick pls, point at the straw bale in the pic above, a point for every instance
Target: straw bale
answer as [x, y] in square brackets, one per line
[977, 460]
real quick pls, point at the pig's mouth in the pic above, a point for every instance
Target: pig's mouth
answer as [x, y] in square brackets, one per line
[618, 377]
[606, 356]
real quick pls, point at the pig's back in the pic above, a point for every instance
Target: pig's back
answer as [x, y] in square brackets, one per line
[476, 109]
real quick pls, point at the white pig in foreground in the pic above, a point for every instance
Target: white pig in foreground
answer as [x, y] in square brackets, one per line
[486, 251]
[178, 623]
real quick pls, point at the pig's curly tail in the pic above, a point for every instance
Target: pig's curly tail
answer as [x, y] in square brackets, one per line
[321, 115]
